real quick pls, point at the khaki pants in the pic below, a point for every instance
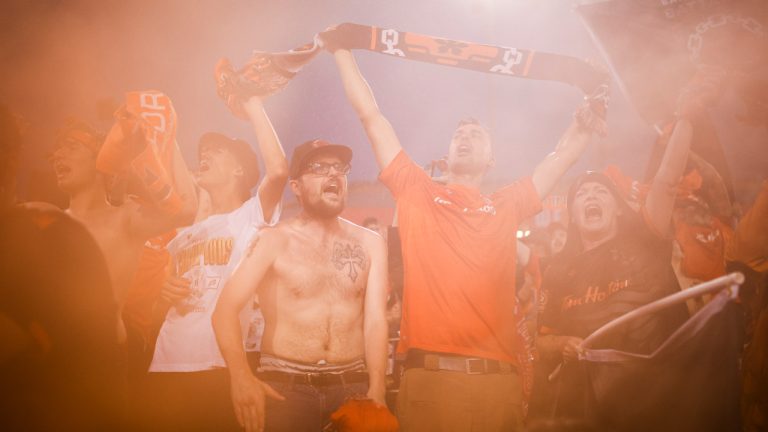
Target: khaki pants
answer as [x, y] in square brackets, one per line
[442, 401]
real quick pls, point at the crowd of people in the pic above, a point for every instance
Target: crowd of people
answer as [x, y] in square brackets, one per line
[192, 305]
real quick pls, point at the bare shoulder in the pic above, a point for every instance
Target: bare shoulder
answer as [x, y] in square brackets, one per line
[111, 218]
[272, 236]
[131, 210]
[369, 239]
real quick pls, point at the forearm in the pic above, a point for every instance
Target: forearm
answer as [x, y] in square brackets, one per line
[375, 329]
[569, 149]
[383, 139]
[676, 155]
[550, 346]
[226, 325]
[276, 167]
[663, 190]
[358, 91]
[275, 164]
[376, 354]
[145, 220]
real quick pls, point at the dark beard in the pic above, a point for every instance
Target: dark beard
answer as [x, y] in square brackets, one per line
[320, 210]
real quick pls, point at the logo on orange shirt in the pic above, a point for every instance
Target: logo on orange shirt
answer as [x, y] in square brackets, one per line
[593, 295]
[486, 208]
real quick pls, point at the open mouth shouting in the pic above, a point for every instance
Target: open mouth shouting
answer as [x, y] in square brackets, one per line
[204, 166]
[464, 149]
[332, 189]
[592, 212]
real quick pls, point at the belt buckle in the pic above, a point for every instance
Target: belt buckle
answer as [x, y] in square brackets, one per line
[469, 369]
[431, 362]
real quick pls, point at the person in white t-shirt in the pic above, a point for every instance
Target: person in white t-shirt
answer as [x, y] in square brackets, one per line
[188, 379]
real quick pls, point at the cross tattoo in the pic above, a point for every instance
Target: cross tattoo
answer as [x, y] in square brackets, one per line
[348, 255]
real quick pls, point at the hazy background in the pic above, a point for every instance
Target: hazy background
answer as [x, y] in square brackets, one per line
[62, 58]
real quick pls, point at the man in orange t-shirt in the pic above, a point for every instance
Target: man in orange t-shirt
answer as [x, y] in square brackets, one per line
[458, 328]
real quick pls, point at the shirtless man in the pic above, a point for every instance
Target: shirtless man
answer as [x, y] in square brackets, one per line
[120, 231]
[321, 282]
[57, 314]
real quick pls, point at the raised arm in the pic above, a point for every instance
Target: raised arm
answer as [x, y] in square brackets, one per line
[271, 187]
[661, 196]
[248, 392]
[385, 143]
[375, 321]
[145, 221]
[695, 98]
[569, 149]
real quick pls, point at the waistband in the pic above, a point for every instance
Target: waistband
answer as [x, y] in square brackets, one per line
[272, 363]
[456, 363]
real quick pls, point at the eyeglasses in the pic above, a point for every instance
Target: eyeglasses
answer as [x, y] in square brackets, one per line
[323, 168]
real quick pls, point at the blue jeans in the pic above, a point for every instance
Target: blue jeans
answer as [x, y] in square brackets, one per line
[306, 408]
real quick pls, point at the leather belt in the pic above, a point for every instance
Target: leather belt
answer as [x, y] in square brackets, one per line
[456, 363]
[314, 379]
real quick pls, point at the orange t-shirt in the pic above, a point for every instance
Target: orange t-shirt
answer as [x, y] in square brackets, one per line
[459, 262]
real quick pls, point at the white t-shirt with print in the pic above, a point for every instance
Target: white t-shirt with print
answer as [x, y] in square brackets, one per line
[207, 253]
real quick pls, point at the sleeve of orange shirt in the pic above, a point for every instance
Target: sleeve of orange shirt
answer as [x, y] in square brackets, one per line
[402, 173]
[750, 241]
[519, 197]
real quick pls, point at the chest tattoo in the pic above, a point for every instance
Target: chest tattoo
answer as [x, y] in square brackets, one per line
[349, 258]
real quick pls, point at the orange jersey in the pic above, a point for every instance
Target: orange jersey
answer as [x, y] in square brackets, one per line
[459, 262]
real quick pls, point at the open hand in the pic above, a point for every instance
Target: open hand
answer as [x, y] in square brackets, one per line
[248, 397]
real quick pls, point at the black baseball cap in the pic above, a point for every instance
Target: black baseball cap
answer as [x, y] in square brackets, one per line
[307, 150]
[242, 151]
[596, 177]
